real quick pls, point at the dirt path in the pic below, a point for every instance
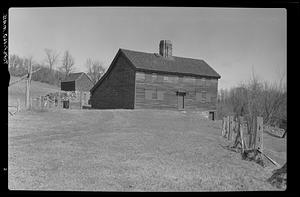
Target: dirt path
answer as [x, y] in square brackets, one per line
[124, 150]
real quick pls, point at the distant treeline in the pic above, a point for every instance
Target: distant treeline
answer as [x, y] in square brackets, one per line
[18, 66]
[256, 98]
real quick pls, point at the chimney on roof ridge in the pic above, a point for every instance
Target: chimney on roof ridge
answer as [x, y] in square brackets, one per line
[165, 48]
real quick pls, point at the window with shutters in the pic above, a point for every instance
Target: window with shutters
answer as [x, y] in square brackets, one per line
[154, 94]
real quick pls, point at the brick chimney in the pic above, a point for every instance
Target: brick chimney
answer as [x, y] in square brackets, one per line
[165, 48]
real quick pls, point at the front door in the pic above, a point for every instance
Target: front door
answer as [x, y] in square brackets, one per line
[180, 102]
[180, 99]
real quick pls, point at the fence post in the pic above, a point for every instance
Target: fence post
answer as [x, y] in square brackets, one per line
[42, 102]
[18, 106]
[230, 121]
[259, 134]
[223, 126]
[240, 129]
[233, 129]
[227, 127]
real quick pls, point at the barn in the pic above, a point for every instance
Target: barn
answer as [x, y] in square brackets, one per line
[137, 80]
[78, 83]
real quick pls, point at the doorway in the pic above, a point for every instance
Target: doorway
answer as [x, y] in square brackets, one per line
[180, 100]
[211, 115]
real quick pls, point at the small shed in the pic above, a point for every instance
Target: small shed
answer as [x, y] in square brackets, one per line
[80, 84]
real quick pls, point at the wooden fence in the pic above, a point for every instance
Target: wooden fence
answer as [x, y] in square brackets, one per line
[239, 130]
[248, 134]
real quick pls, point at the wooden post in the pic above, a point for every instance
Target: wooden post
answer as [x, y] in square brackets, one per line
[31, 102]
[42, 102]
[259, 134]
[227, 127]
[80, 99]
[243, 130]
[224, 127]
[18, 106]
[241, 120]
[28, 86]
[233, 129]
[230, 120]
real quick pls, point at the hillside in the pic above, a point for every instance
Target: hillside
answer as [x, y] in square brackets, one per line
[128, 150]
[17, 91]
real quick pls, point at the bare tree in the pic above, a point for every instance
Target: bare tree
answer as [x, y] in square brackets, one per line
[95, 69]
[51, 58]
[67, 63]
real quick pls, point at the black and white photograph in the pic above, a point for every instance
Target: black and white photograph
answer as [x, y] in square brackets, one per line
[147, 99]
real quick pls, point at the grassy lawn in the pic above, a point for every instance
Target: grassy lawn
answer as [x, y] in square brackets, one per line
[125, 150]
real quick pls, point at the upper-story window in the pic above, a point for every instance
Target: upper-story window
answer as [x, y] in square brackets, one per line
[189, 80]
[171, 79]
[154, 76]
[140, 76]
[200, 82]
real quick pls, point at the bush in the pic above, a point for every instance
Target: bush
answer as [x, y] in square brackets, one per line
[254, 99]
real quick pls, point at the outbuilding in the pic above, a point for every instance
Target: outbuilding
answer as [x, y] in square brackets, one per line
[80, 84]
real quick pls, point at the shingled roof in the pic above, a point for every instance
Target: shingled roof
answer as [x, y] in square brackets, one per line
[178, 65]
[155, 62]
[73, 76]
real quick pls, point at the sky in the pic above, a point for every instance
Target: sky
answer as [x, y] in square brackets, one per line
[236, 42]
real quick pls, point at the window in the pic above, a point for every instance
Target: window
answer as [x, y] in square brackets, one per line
[148, 77]
[154, 76]
[160, 95]
[171, 79]
[200, 81]
[140, 76]
[208, 82]
[154, 94]
[148, 94]
[160, 78]
[189, 80]
[201, 97]
[208, 97]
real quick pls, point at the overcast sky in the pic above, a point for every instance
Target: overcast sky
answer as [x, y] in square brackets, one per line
[233, 41]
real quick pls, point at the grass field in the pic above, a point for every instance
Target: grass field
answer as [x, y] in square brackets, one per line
[125, 150]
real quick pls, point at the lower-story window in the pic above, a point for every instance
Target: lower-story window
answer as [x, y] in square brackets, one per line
[154, 94]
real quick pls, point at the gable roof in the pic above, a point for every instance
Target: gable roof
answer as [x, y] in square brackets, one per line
[178, 65]
[154, 62]
[72, 76]
[75, 76]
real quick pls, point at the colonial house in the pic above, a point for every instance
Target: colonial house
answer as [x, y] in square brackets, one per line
[80, 84]
[137, 80]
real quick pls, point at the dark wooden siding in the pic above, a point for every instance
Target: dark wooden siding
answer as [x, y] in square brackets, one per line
[170, 86]
[68, 86]
[83, 83]
[117, 90]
